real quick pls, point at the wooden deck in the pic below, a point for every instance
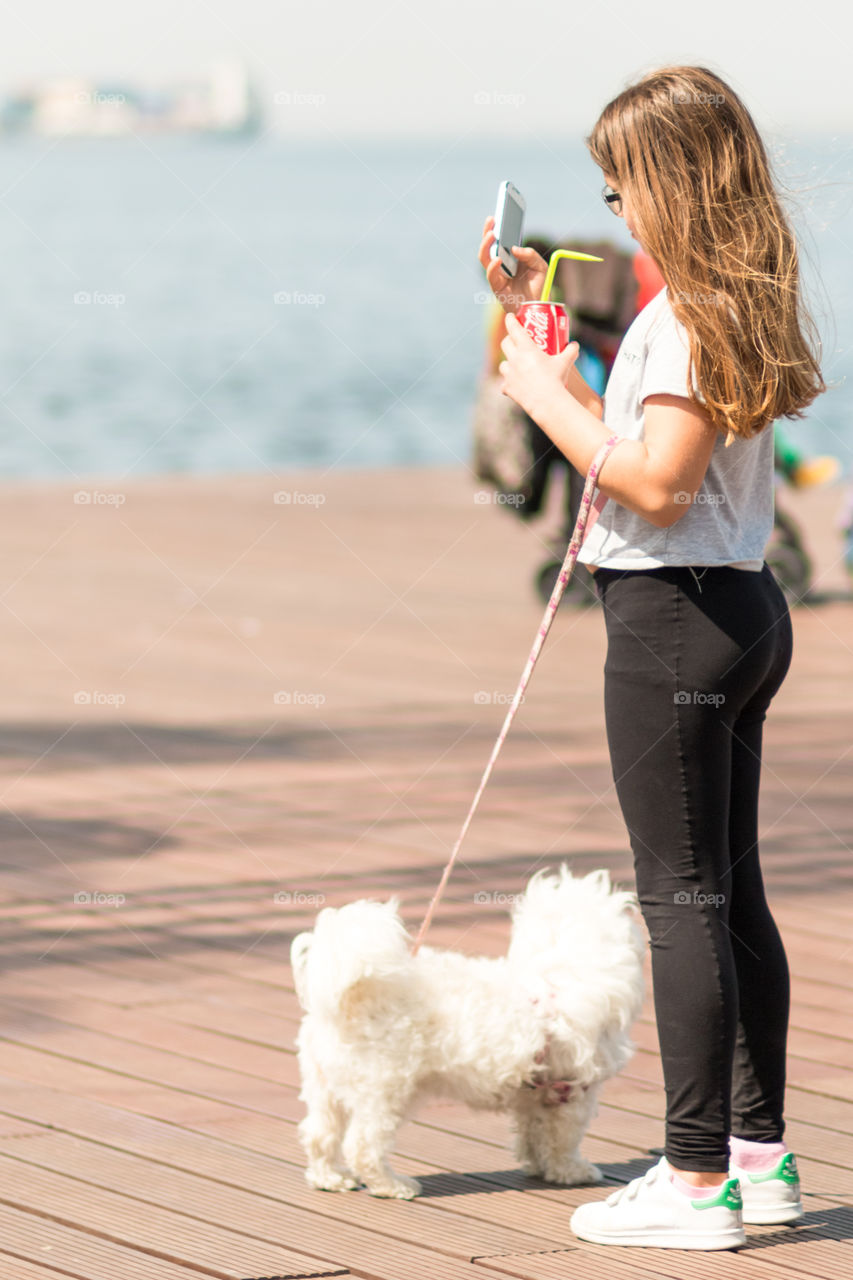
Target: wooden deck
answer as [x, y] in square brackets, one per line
[220, 710]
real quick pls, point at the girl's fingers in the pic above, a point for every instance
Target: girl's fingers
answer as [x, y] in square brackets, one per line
[508, 342]
[569, 355]
[484, 256]
[496, 276]
[486, 242]
[529, 257]
[515, 334]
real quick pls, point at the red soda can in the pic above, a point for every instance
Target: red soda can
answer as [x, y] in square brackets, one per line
[547, 323]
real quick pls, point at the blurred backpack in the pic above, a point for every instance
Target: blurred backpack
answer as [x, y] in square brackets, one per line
[505, 453]
[602, 299]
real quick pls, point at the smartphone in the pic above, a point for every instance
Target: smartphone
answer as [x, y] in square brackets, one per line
[509, 219]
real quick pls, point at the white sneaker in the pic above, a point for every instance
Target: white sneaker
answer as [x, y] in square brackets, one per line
[773, 1196]
[651, 1211]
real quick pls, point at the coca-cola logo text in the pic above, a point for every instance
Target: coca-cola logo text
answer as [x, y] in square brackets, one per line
[538, 325]
[547, 324]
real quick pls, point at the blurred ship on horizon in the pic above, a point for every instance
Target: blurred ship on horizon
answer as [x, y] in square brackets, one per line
[225, 101]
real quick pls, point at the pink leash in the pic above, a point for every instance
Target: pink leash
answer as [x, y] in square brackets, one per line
[587, 516]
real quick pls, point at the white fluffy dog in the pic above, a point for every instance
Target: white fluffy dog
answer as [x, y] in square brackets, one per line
[534, 1033]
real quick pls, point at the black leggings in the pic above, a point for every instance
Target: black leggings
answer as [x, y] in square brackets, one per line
[694, 656]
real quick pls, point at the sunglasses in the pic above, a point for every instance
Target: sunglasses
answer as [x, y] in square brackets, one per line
[612, 199]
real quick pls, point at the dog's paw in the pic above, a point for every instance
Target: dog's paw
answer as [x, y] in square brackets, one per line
[401, 1188]
[568, 1173]
[330, 1180]
[574, 1172]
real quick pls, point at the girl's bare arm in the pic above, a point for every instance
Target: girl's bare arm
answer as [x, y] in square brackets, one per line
[656, 477]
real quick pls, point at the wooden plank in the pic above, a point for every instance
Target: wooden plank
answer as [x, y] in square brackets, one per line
[587, 1263]
[577, 1264]
[555, 1265]
[162, 1233]
[140, 1062]
[145, 1028]
[270, 1216]
[221, 1253]
[109, 978]
[16, 1267]
[34, 1238]
[245, 1024]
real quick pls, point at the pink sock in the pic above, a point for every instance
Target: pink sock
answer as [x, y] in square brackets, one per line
[695, 1193]
[755, 1157]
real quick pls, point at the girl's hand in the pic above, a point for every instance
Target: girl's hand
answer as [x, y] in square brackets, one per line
[510, 291]
[532, 378]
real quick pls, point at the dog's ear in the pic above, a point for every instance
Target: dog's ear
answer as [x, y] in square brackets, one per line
[356, 997]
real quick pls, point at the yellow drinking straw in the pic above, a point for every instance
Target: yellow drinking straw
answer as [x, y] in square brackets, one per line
[552, 267]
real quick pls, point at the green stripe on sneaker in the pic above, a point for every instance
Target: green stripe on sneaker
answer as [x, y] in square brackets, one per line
[786, 1169]
[729, 1197]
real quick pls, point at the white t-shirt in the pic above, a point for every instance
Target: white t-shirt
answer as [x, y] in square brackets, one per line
[731, 517]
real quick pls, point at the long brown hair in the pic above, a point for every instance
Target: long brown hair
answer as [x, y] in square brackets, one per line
[707, 211]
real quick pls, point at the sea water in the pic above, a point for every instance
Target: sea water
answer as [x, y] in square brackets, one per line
[201, 305]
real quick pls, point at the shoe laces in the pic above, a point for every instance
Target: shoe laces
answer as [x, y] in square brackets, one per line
[631, 1190]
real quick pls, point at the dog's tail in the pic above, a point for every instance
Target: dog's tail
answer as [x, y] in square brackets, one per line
[350, 950]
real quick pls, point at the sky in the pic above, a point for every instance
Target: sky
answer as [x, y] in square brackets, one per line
[449, 66]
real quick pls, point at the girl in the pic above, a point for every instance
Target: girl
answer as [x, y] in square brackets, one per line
[698, 631]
